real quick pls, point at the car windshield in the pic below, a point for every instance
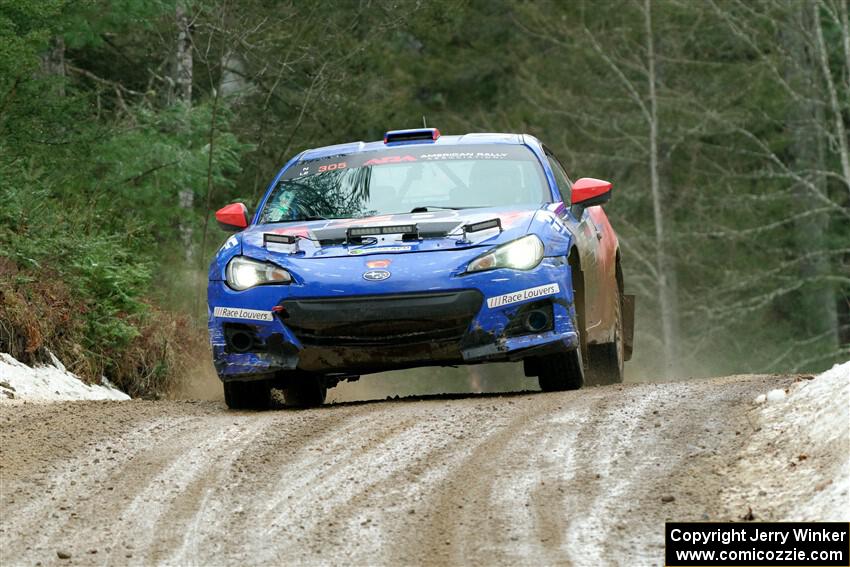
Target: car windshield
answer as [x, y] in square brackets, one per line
[407, 179]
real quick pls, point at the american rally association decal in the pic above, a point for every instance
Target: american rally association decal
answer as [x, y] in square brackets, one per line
[239, 313]
[522, 295]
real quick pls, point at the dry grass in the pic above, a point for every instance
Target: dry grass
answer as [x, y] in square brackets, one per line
[38, 311]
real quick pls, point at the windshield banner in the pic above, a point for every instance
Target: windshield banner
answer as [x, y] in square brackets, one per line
[409, 154]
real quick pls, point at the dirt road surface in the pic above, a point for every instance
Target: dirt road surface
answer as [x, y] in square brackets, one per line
[585, 478]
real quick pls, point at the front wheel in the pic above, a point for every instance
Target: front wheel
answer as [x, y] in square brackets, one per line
[562, 371]
[248, 395]
[304, 391]
[607, 360]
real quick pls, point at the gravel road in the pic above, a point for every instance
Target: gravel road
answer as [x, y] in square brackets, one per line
[585, 477]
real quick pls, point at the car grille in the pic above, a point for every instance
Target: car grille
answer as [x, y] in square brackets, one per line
[382, 319]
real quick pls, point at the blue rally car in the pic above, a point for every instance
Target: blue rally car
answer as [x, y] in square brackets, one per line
[417, 250]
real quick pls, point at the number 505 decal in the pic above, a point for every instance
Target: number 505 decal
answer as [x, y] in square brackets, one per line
[332, 167]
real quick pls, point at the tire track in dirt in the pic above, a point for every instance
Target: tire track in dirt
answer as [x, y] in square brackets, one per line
[180, 484]
[212, 502]
[374, 511]
[261, 497]
[572, 477]
[465, 496]
[74, 491]
[322, 486]
[199, 479]
[613, 459]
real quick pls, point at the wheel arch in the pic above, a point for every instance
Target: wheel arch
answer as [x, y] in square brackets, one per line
[628, 310]
[618, 271]
[576, 274]
[579, 297]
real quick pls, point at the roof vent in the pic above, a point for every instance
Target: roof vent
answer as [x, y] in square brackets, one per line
[415, 134]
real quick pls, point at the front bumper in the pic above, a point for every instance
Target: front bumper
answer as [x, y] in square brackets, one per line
[420, 320]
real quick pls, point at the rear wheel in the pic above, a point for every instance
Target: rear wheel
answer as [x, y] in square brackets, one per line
[248, 395]
[562, 371]
[303, 390]
[607, 360]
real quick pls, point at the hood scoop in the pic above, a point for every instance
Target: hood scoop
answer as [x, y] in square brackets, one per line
[287, 243]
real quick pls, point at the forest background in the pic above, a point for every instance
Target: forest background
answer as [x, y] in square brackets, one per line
[723, 124]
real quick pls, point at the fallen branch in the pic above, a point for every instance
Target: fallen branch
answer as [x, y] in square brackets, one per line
[136, 178]
[89, 75]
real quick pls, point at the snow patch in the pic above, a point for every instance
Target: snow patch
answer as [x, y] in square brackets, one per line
[799, 458]
[49, 383]
[775, 395]
[819, 412]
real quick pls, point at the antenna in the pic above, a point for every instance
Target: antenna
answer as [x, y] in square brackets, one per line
[424, 124]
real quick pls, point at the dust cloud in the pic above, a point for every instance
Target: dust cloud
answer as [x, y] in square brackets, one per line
[475, 379]
[201, 383]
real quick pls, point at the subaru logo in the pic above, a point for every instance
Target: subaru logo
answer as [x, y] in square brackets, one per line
[376, 275]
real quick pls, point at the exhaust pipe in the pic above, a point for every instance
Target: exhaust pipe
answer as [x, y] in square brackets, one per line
[537, 320]
[240, 341]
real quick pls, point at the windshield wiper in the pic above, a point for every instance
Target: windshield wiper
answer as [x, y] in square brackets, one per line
[424, 208]
[304, 219]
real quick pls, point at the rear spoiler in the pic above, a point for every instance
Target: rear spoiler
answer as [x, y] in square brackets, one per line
[411, 135]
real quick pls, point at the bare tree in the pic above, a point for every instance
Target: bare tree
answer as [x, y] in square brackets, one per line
[666, 289]
[183, 56]
[53, 61]
[840, 137]
[807, 117]
[804, 174]
[631, 64]
[183, 94]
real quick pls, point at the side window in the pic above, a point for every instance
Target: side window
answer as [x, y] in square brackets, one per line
[564, 185]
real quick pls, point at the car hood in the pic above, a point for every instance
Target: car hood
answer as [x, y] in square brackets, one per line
[324, 238]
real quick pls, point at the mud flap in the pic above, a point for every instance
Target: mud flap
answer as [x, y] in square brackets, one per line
[628, 325]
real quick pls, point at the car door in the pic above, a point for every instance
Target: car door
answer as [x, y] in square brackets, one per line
[586, 233]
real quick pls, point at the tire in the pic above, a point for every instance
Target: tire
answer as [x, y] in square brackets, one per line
[254, 395]
[562, 371]
[607, 360]
[304, 391]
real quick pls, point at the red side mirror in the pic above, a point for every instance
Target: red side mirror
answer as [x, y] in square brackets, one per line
[232, 218]
[588, 191]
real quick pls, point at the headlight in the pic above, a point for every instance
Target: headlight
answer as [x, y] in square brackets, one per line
[243, 273]
[521, 254]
